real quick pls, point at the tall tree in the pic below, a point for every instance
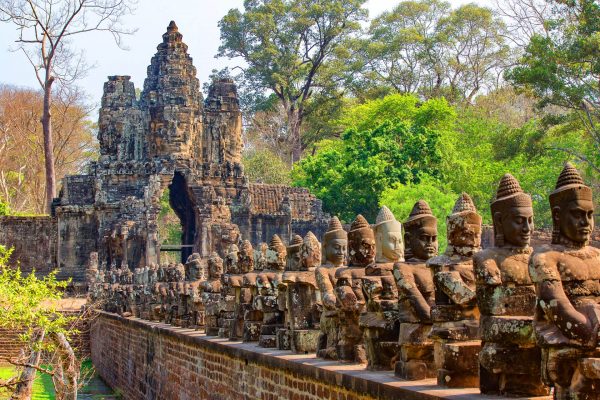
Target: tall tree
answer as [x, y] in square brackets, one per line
[45, 29]
[287, 46]
[561, 67]
[22, 173]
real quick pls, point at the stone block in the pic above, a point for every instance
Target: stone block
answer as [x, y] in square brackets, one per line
[304, 341]
[507, 329]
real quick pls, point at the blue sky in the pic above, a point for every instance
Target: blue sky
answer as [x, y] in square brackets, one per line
[197, 21]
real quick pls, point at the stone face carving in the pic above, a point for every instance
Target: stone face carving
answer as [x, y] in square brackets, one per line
[252, 316]
[455, 315]
[379, 320]
[416, 295]
[267, 300]
[348, 289]
[211, 294]
[566, 275]
[335, 247]
[509, 360]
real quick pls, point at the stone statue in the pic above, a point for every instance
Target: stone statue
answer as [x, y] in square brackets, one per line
[303, 299]
[348, 289]
[455, 314]
[194, 269]
[233, 320]
[566, 275]
[243, 294]
[292, 264]
[246, 257]
[211, 294]
[416, 295]
[335, 246]
[267, 299]
[380, 318]
[509, 361]
[253, 317]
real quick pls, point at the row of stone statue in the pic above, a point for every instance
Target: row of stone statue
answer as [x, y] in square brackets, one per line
[509, 319]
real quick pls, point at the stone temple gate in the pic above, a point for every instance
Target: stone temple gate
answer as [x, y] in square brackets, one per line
[170, 138]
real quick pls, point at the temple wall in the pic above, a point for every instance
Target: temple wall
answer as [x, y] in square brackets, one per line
[146, 360]
[33, 239]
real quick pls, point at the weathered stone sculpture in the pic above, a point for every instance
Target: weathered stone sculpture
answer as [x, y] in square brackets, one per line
[302, 315]
[380, 318]
[252, 316]
[292, 264]
[416, 295]
[335, 245]
[566, 275]
[509, 360]
[267, 299]
[455, 315]
[243, 295]
[231, 327]
[211, 294]
[348, 289]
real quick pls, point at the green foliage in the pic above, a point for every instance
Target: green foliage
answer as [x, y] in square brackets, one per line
[170, 229]
[561, 67]
[401, 198]
[262, 165]
[4, 208]
[351, 174]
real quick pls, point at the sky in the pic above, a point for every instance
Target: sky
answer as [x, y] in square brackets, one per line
[197, 21]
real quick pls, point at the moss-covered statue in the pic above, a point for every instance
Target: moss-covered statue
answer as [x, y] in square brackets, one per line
[567, 283]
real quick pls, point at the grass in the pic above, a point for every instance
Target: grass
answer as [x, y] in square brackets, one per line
[43, 388]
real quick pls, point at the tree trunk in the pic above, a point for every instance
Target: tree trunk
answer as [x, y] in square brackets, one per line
[25, 386]
[48, 145]
[66, 370]
[295, 124]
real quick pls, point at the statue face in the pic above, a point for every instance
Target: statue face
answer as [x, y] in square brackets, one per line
[293, 258]
[464, 232]
[576, 220]
[516, 225]
[392, 246]
[335, 251]
[423, 242]
[215, 268]
[275, 260]
[363, 252]
[311, 256]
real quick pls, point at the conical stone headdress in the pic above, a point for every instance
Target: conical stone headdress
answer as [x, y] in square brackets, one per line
[464, 208]
[386, 217]
[509, 195]
[360, 228]
[334, 231]
[569, 186]
[420, 214]
[277, 245]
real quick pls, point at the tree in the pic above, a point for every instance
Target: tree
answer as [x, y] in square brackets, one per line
[561, 67]
[287, 47]
[22, 173]
[351, 174]
[262, 165]
[425, 47]
[45, 29]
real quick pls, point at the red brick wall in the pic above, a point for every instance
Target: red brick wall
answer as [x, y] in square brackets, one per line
[9, 344]
[145, 360]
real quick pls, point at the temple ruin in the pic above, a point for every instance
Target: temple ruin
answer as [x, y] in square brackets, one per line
[170, 138]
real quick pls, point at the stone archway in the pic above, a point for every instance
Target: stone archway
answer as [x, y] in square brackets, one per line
[181, 203]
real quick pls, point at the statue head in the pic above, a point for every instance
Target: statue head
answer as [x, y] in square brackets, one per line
[193, 267]
[389, 244]
[572, 209]
[246, 257]
[512, 213]
[361, 242]
[310, 252]
[276, 254]
[215, 266]
[335, 243]
[293, 254]
[231, 260]
[260, 256]
[464, 224]
[421, 232]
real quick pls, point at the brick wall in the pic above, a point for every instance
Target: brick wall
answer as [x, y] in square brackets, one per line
[145, 360]
[9, 344]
